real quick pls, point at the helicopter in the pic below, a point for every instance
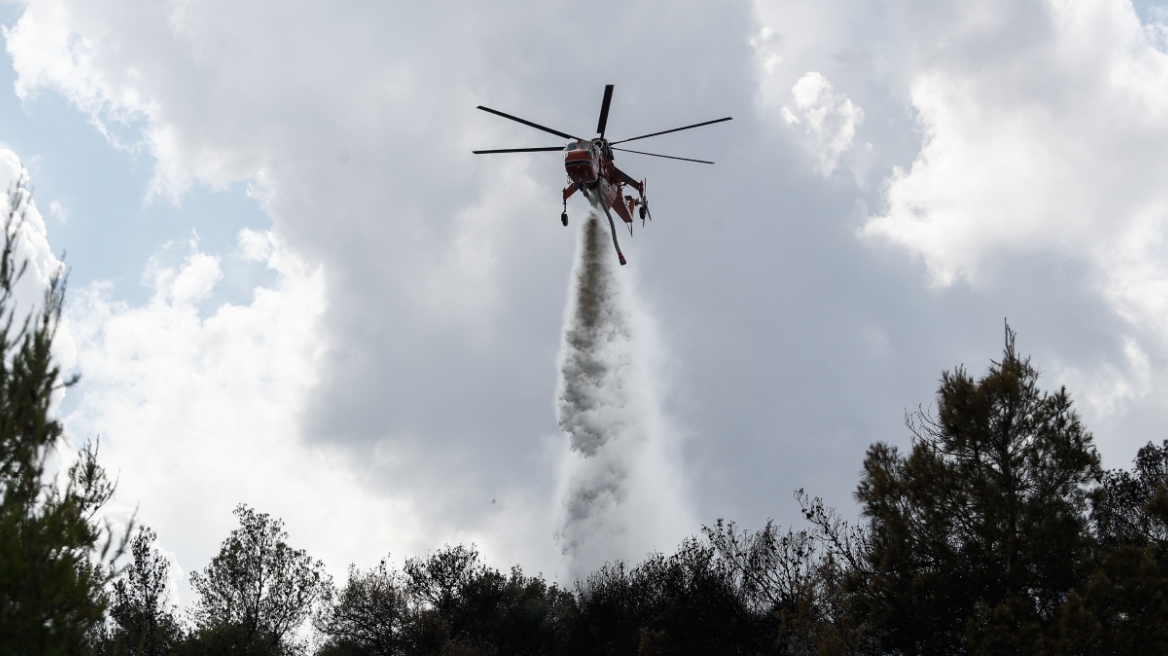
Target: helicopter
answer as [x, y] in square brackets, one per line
[590, 168]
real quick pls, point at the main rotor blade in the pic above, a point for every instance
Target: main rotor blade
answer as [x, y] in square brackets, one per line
[684, 159]
[603, 122]
[695, 125]
[518, 150]
[537, 126]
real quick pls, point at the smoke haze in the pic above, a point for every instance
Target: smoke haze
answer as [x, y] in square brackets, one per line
[621, 479]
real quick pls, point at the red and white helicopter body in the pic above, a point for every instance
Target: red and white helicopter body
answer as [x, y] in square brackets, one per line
[591, 171]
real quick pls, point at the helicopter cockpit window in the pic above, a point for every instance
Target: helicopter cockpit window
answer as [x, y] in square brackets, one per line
[578, 145]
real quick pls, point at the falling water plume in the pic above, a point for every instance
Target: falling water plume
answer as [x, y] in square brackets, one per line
[621, 487]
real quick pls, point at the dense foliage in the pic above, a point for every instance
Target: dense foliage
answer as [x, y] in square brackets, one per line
[55, 556]
[979, 533]
[143, 620]
[258, 590]
[996, 532]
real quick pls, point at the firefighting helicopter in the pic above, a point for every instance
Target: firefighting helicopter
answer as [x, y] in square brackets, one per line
[592, 172]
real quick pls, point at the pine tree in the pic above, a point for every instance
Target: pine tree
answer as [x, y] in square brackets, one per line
[145, 623]
[1123, 607]
[55, 556]
[370, 615]
[979, 533]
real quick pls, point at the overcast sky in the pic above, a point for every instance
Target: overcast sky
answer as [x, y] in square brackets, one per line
[293, 286]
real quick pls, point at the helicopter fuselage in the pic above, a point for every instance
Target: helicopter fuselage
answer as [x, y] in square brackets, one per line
[588, 163]
[591, 170]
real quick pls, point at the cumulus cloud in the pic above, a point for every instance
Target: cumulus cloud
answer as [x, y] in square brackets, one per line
[32, 242]
[48, 53]
[443, 284]
[825, 119]
[1018, 147]
[33, 251]
[765, 51]
[817, 71]
[1107, 389]
[1054, 148]
[1156, 27]
[1017, 126]
[1038, 153]
[194, 411]
[442, 273]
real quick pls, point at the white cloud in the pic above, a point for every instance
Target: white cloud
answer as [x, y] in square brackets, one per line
[806, 55]
[442, 271]
[48, 53]
[32, 243]
[1157, 27]
[188, 284]
[199, 414]
[32, 250]
[1106, 389]
[442, 276]
[257, 246]
[764, 50]
[1053, 147]
[1056, 154]
[1013, 137]
[310, 111]
[825, 118]
[58, 211]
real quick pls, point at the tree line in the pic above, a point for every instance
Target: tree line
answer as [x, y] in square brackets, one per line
[997, 531]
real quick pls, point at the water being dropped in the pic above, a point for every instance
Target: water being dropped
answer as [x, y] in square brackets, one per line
[621, 484]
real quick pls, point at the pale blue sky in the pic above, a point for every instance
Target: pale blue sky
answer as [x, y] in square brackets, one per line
[111, 229]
